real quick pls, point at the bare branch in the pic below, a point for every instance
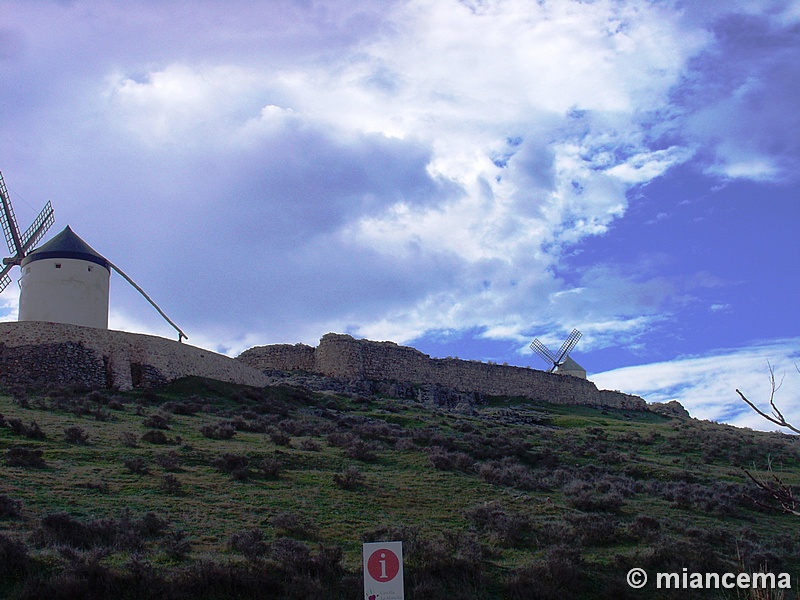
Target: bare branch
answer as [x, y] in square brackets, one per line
[779, 491]
[777, 416]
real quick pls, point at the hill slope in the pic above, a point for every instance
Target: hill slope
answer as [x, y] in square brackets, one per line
[201, 489]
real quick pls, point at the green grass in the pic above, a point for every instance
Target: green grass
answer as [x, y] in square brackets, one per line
[630, 453]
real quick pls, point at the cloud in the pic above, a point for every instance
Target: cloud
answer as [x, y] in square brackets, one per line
[271, 173]
[706, 385]
[737, 103]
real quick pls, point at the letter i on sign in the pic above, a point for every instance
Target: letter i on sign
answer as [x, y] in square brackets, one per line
[383, 571]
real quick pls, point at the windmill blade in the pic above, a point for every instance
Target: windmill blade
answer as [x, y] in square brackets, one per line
[568, 345]
[38, 228]
[543, 351]
[9, 221]
[4, 278]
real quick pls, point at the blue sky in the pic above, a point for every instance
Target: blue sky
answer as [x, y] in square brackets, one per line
[460, 176]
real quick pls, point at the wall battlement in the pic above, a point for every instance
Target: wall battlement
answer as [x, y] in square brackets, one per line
[344, 357]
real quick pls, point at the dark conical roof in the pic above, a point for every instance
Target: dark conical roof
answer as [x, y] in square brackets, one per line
[67, 244]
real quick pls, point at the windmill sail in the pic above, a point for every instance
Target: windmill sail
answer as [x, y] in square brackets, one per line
[558, 359]
[19, 244]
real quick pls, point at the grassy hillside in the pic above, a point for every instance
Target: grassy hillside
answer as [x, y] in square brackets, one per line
[207, 490]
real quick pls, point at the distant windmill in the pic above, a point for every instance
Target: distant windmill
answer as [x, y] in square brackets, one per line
[20, 244]
[561, 362]
[64, 280]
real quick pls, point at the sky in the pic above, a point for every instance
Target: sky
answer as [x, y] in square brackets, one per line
[457, 176]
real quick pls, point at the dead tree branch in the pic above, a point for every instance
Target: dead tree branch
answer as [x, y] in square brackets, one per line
[777, 416]
[779, 491]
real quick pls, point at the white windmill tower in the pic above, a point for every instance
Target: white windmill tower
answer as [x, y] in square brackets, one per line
[64, 280]
[561, 361]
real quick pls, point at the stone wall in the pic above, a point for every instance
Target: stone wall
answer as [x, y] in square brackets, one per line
[34, 352]
[280, 357]
[344, 357]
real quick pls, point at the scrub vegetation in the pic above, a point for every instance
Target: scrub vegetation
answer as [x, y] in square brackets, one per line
[201, 489]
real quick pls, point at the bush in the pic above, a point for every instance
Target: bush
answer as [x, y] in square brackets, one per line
[170, 461]
[505, 528]
[450, 461]
[508, 472]
[156, 422]
[237, 465]
[137, 465]
[10, 508]
[584, 496]
[76, 435]
[560, 574]
[13, 557]
[310, 445]
[250, 543]
[349, 479]
[279, 438]
[129, 439]
[358, 449]
[156, 436]
[19, 456]
[596, 530]
[220, 431]
[292, 556]
[97, 486]
[176, 544]
[270, 468]
[171, 485]
[293, 524]
[60, 529]
[32, 431]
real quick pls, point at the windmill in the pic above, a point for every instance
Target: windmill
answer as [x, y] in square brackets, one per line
[20, 244]
[64, 280]
[560, 361]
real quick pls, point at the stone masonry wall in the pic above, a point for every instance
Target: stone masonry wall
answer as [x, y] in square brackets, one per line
[344, 357]
[280, 357]
[39, 352]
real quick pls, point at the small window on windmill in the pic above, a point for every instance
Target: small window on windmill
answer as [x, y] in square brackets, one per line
[90, 269]
[58, 265]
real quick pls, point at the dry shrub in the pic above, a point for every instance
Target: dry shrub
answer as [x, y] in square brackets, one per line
[170, 461]
[293, 524]
[76, 435]
[171, 485]
[19, 456]
[450, 461]
[129, 439]
[503, 527]
[157, 421]
[14, 559]
[218, 431]
[349, 479]
[10, 508]
[236, 465]
[250, 543]
[136, 464]
[32, 431]
[560, 574]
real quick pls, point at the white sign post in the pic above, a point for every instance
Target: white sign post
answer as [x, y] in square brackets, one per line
[383, 571]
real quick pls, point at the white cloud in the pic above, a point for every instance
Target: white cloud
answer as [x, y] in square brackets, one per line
[391, 171]
[706, 385]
